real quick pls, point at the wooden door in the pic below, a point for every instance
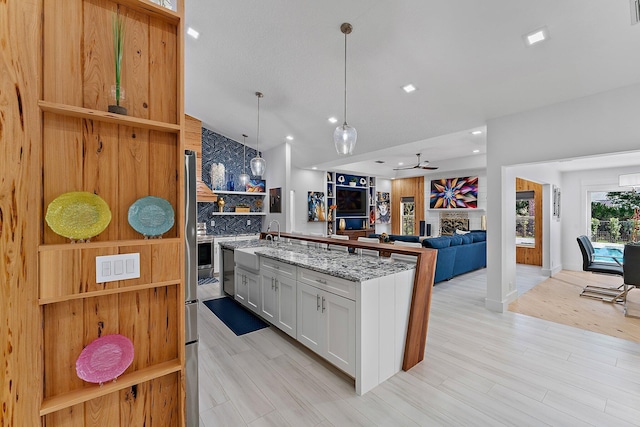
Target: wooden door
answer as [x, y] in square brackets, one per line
[531, 255]
[407, 187]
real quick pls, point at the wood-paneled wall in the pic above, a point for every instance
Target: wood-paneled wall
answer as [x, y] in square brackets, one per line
[60, 54]
[20, 123]
[527, 255]
[407, 187]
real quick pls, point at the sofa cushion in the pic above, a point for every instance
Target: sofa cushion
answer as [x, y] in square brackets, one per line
[456, 240]
[436, 242]
[478, 236]
[466, 239]
[400, 238]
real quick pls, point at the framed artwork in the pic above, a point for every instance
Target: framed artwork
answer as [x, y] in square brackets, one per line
[316, 210]
[256, 186]
[383, 208]
[275, 200]
[556, 201]
[454, 193]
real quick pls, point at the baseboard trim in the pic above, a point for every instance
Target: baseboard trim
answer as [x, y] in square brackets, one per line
[501, 306]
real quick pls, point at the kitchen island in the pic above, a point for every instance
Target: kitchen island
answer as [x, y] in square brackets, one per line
[352, 310]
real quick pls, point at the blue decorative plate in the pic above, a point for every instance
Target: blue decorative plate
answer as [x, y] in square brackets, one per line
[151, 216]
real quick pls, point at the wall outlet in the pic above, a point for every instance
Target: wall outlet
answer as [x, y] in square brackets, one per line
[110, 268]
[248, 222]
[213, 223]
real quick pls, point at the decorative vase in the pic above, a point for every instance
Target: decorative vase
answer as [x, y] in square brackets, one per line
[342, 224]
[230, 185]
[220, 204]
[117, 100]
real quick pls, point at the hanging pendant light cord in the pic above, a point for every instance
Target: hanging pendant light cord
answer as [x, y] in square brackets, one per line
[244, 155]
[258, 134]
[345, 78]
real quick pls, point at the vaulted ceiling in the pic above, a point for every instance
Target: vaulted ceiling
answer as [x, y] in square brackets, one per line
[466, 57]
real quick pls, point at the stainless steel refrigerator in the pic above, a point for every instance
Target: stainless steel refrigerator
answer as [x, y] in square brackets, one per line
[191, 289]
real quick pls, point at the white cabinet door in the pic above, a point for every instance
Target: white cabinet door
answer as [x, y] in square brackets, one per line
[242, 288]
[339, 322]
[269, 301]
[253, 288]
[286, 297]
[308, 317]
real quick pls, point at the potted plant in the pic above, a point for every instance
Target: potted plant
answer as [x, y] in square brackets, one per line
[117, 91]
[353, 182]
[242, 207]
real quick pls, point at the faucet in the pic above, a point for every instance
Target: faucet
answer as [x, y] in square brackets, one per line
[269, 228]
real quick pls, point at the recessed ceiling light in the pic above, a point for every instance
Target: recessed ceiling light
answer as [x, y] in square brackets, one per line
[400, 163]
[333, 120]
[536, 36]
[409, 88]
[289, 138]
[476, 132]
[476, 151]
[193, 33]
[314, 168]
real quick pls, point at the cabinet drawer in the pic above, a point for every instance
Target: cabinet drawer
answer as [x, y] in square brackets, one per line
[335, 285]
[277, 267]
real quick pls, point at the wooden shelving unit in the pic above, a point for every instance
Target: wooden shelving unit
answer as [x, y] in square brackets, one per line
[121, 158]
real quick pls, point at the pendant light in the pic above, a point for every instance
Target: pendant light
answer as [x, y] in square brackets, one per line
[244, 176]
[345, 136]
[258, 164]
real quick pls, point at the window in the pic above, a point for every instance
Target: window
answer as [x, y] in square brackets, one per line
[407, 216]
[525, 219]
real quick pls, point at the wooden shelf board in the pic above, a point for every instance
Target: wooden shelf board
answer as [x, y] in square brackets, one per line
[103, 116]
[61, 298]
[107, 244]
[66, 400]
[240, 193]
[152, 9]
[237, 213]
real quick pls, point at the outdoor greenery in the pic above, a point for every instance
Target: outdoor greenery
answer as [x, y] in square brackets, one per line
[613, 221]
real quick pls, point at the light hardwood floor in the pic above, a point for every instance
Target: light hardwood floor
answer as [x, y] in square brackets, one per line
[481, 369]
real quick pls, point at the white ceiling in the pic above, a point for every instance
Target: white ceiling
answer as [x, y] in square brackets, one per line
[466, 57]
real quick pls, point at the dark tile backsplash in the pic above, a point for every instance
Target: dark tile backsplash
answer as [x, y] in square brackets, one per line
[219, 149]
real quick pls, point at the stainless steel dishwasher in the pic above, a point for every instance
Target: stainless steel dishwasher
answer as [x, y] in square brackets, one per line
[227, 272]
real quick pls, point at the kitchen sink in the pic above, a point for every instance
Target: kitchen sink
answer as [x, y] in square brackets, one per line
[248, 258]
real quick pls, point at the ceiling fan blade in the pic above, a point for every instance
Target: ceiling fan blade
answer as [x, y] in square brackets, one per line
[429, 168]
[404, 169]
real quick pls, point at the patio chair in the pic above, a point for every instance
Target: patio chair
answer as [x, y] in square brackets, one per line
[631, 270]
[590, 264]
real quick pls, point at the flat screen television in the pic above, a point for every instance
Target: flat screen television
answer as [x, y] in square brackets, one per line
[351, 202]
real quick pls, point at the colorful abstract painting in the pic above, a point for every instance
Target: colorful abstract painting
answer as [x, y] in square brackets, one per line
[454, 193]
[316, 210]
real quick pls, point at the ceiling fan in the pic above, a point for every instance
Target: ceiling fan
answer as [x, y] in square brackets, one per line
[419, 165]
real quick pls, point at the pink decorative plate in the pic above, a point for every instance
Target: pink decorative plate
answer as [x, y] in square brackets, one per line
[105, 358]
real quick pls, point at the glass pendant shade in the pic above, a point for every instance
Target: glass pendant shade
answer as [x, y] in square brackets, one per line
[244, 178]
[258, 165]
[345, 138]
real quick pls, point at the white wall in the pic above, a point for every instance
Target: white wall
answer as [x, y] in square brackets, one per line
[575, 207]
[598, 124]
[303, 181]
[278, 175]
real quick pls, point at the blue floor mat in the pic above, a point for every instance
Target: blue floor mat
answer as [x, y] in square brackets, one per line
[240, 320]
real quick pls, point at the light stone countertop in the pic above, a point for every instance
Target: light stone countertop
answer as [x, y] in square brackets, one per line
[351, 267]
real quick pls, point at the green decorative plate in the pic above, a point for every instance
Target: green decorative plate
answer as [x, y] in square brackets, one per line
[78, 215]
[151, 216]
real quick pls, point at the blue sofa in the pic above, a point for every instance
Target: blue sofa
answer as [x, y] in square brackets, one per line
[458, 254]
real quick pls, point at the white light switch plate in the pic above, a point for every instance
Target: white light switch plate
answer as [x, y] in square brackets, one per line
[110, 268]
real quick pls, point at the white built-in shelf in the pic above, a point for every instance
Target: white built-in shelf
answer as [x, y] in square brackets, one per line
[237, 213]
[240, 193]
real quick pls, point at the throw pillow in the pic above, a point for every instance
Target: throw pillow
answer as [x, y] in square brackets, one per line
[462, 232]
